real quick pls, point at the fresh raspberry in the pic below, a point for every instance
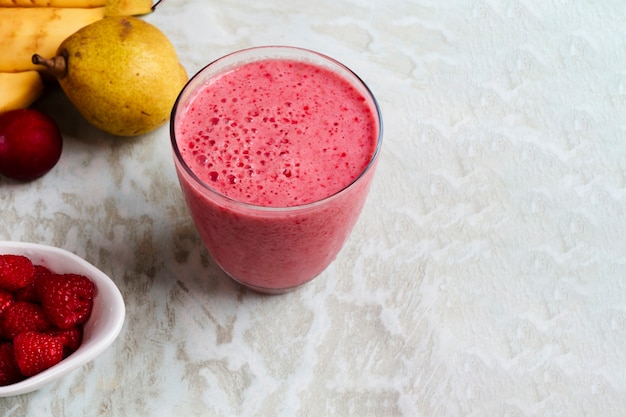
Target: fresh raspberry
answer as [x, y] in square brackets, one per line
[70, 339]
[6, 299]
[23, 316]
[9, 371]
[36, 352]
[16, 271]
[31, 292]
[67, 299]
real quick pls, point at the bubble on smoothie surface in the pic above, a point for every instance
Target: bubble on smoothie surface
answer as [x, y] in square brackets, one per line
[277, 133]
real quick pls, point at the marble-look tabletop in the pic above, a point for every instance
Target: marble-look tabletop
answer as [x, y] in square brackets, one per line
[485, 277]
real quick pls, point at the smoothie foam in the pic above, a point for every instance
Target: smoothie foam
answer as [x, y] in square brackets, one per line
[277, 133]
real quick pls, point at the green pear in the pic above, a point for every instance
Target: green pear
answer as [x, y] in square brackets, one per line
[121, 73]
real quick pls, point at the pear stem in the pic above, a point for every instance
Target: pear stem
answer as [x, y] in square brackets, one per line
[56, 65]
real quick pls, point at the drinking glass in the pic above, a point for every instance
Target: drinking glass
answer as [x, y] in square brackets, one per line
[272, 249]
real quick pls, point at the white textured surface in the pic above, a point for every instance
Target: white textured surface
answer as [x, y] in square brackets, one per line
[486, 276]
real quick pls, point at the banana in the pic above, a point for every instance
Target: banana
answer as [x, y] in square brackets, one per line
[25, 31]
[19, 89]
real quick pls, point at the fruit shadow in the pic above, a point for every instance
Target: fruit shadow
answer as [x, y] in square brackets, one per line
[55, 104]
[164, 256]
[172, 281]
[194, 270]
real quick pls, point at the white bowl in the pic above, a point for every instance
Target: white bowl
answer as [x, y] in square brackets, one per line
[100, 330]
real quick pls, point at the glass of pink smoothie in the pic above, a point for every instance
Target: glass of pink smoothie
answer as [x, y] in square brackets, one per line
[275, 149]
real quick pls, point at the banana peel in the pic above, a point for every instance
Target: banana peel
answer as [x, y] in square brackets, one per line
[113, 7]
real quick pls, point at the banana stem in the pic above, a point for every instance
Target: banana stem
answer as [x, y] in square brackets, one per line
[57, 65]
[156, 4]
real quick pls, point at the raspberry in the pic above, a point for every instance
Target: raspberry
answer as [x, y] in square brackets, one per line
[16, 271]
[9, 371]
[36, 352]
[31, 292]
[23, 316]
[6, 299]
[67, 299]
[69, 338]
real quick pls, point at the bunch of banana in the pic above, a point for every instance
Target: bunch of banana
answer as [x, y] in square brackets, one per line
[39, 26]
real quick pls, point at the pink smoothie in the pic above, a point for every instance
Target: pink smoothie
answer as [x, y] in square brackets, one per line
[276, 135]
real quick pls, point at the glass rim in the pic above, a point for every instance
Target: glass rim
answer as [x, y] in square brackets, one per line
[188, 171]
